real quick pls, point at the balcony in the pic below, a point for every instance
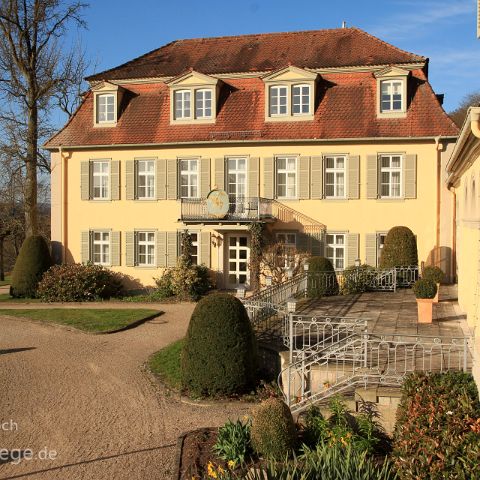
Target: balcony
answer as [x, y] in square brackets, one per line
[240, 210]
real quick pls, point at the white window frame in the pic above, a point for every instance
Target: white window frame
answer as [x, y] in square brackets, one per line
[390, 83]
[288, 246]
[106, 258]
[390, 170]
[277, 88]
[100, 175]
[181, 93]
[146, 243]
[379, 245]
[236, 172]
[147, 175]
[201, 92]
[106, 96]
[190, 175]
[302, 96]
[336, 246]
[336, 171]
[286, 171]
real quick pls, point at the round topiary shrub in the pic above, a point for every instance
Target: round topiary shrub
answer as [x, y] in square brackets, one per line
[322, 279]
[399, 249]
[33, 261]
[425, 288]
[219, 355]
[273, 431]
[433, 273]
[78, 283]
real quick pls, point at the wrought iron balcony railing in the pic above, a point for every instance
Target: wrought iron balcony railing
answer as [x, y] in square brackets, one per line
[240, 209]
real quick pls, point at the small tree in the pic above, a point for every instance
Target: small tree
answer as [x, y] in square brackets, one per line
[32, 262]
[278, 258]
[187, 248]
[399, 249]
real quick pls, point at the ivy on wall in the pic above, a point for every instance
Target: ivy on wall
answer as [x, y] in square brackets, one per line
[256, 246]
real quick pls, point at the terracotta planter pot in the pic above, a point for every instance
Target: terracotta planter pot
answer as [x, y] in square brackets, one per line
[425, 310]
[435, 299]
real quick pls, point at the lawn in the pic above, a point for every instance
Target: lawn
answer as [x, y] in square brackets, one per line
[5, 297]
[6, 281]
[89, 320]
[166, 363]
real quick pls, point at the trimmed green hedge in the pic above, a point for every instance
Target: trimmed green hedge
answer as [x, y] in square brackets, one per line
[437, 434]
[321, 278]
[32, 262]
[400, 248]
[219, 355]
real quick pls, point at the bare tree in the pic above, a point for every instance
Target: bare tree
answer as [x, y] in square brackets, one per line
[458, 115]
[34, 67]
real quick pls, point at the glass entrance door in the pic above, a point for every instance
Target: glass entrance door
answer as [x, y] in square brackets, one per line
[237, 262]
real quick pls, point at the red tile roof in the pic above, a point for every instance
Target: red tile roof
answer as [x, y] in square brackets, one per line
[346, 110]
[343, 47]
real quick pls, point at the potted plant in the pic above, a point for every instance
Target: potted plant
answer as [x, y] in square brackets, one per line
[425, 291]
[436, 275]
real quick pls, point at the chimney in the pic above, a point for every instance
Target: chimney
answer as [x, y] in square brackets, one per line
[344, 24]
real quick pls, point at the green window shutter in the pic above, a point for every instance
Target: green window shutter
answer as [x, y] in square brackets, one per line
[172, 178]
[204, 177]
[205, 248]
[304, 180]
[372, 176]
[172, 249]
[161, 240]
[85, 180]
[161, 179]
[130, 249]
[352, 248]
[410, 176]
[354, 177]
[316, 189]
[130, 180]
[302, 242]
[371, 249]
[115, 180]
[220, 173]
[115, 249]
[268, 177]
[318, 245]
[253, 176]
[85, 246]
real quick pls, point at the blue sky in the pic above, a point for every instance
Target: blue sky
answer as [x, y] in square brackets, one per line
[443, 30]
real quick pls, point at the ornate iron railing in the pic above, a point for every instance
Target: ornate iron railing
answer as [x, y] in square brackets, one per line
[240, 208]
[359, 359]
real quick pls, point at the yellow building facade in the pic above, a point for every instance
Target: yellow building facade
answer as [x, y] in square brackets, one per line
[329, 157]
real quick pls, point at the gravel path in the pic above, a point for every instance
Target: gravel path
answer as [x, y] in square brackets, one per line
[89, 399]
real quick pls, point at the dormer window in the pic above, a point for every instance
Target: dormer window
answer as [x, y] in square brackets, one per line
[392, 92]
[289, 95]
[193, 97]
[105, 108]
[106, 100]
[392, 95]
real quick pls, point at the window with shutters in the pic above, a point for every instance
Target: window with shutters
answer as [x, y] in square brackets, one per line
[145, 180]
[145, 249]
[100, 179]
[237, 176]
[391, 176]
[286, 177]
[189, 178]
[335, 249]
[289, 241]
[100, 248]
[106, 108]
[335, 175]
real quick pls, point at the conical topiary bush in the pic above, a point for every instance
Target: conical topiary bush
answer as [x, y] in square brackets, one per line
[219, 355]
[399, 249]
[33, 261]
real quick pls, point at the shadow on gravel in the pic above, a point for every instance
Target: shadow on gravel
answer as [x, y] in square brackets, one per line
[15, 350]
[85, 462]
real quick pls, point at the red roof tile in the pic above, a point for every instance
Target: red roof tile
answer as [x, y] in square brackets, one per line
[262, 52]
[347, 110]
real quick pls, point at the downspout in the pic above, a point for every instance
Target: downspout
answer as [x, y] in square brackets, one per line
[438, 148]
[63, 166]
